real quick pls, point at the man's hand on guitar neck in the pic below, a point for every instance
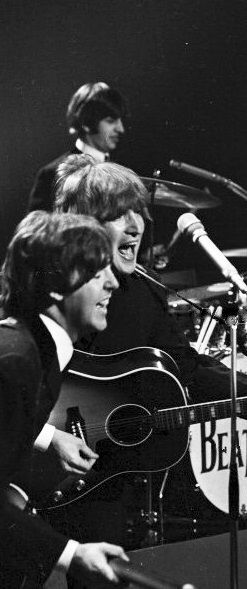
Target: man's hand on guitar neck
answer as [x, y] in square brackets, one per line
[72, 453]
[91, 561]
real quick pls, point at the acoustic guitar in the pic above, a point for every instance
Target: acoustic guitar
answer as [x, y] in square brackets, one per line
[132, 409]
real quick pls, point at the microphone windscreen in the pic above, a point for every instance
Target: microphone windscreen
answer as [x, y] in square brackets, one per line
[185, 221]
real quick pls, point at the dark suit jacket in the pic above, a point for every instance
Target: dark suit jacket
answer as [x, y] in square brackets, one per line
[138, 316]
[42, 194]
[29, 386]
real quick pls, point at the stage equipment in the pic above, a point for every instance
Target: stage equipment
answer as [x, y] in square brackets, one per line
[236, 188]
[191, 226]
[235, 253]
[202, 293]
[180, 196]
[204, 561]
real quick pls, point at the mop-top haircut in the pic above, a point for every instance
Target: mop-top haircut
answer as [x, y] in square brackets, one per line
[50, 252]
[92, 103]
[104, 190]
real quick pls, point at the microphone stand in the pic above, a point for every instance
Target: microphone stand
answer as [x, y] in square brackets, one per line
[235, 188]
[145, 273]
[152, 190]
[233, 474]
[212, 176]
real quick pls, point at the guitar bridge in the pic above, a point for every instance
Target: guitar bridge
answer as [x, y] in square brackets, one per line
[75, 423]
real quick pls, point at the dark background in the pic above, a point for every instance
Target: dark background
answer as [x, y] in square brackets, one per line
[180, 63]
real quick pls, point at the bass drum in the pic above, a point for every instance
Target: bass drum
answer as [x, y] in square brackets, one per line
[210, 446]
[187, 318]
[241, 362]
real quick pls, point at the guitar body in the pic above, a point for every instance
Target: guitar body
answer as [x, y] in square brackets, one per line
[114, 400]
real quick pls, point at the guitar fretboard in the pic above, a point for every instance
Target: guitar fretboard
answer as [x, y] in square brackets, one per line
[168, 419]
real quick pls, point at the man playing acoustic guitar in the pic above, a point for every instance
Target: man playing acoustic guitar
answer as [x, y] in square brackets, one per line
[56, 283]
[138, 312]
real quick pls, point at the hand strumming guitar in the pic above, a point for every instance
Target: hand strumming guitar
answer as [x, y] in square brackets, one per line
[72, 453]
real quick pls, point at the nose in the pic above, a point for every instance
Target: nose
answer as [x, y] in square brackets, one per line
[132, 222]
[110, 282]
[119, 126]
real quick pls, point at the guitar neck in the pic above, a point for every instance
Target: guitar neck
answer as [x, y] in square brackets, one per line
[175, 418]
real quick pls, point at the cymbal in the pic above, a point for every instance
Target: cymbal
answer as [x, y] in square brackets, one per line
[201, 293]
[236, 253]
[172, 194]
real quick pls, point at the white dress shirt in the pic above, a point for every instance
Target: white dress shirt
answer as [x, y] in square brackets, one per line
[98, 156]
[64, 348]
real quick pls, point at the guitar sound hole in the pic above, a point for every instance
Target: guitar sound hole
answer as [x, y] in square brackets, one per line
[129, 425]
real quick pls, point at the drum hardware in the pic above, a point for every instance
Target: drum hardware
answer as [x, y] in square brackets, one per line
[208, 326]
[188, 318]
[220, 354]
[166, 253]
[161, 511]
[160, 259]
[178, 296]
[175, 294]
[152, 190]
[243, 511]
[180, 196]
[143, 522]
[149, 515]
[172, 194]
[203, 293]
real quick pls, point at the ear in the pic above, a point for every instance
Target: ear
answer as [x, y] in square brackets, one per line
[56, 296]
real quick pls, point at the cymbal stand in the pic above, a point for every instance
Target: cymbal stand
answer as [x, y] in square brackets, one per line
[152, 190]
[161, 511]
[207, 328]
[151, 516]
[151, 239]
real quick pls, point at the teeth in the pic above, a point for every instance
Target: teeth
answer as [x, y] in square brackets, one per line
[126, 246]
[103, 304]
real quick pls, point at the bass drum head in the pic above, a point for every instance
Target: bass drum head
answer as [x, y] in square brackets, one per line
[209, 447]
[241, 362]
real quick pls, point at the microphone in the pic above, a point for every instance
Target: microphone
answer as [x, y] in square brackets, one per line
[190, 225]
[198, 172]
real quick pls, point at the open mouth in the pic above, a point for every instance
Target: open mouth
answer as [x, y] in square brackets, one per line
[128, 251]
[103, 305]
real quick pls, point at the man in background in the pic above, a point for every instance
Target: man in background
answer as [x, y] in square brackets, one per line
[95, 121]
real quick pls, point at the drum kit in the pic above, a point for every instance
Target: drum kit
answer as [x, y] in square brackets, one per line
[171, 194]
[206, 336]
[204, 313]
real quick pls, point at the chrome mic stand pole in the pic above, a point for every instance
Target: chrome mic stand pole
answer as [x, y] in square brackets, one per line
[152, 195]
[233, 475]
[152, 190]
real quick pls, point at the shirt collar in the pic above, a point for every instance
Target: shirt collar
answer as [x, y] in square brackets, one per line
[61, 339]
[99, 156]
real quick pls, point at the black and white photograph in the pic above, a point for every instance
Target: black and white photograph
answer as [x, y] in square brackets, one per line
[123, 294]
